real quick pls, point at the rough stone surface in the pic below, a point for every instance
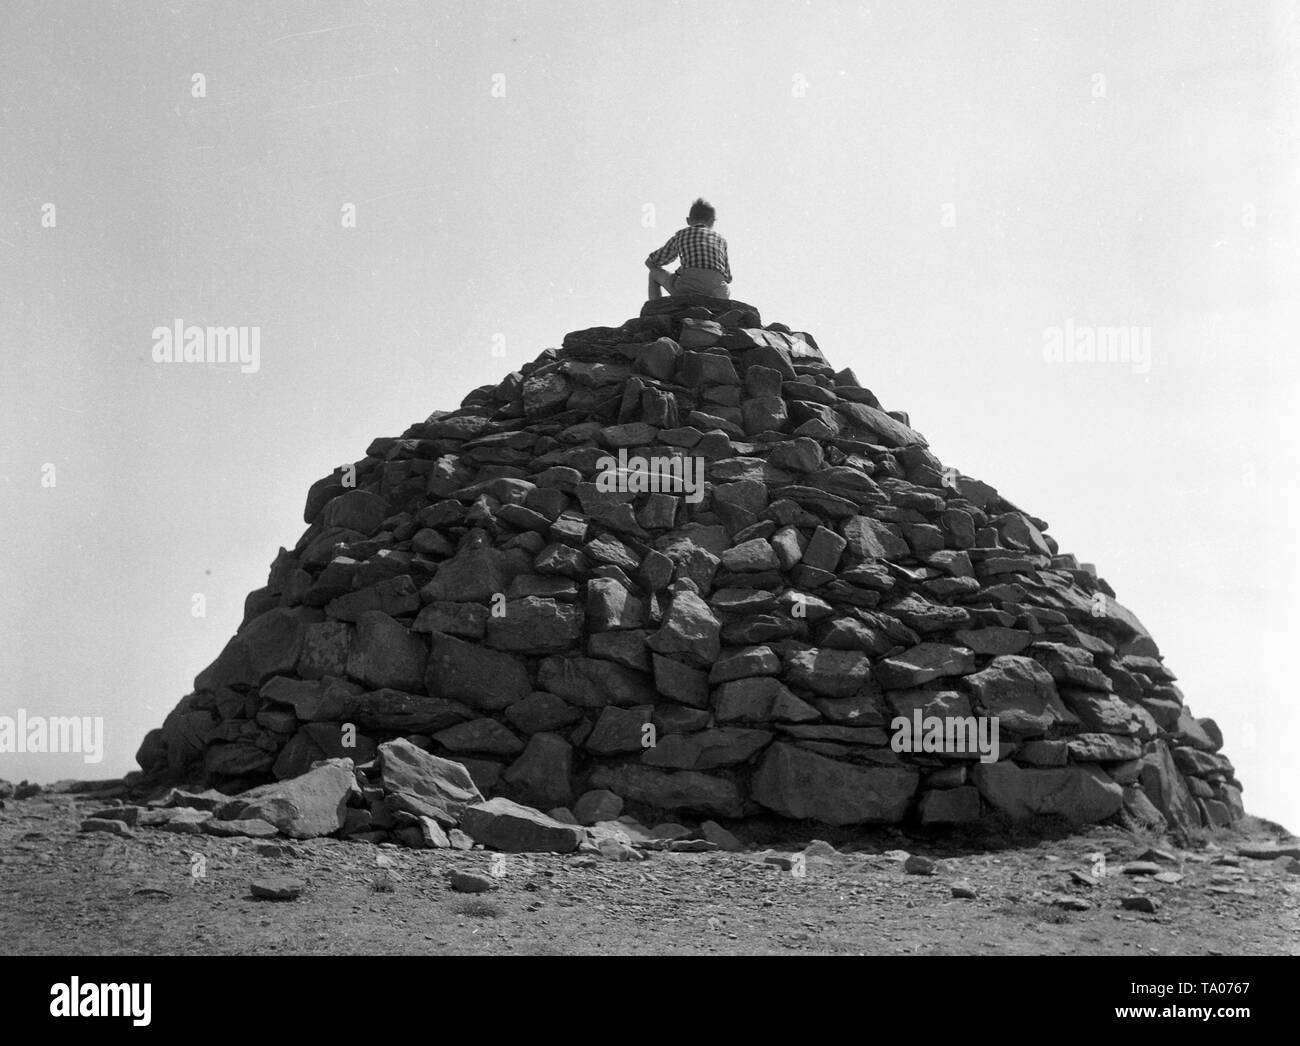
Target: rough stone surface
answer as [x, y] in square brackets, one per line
[1020, 692]
[305, 807]
[489, 612]
[1077, 793]
[277, 888]
[511, 828]
[429, 785]
[797, 783]
[383, 653]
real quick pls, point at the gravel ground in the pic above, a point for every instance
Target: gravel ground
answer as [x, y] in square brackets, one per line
[67, 892]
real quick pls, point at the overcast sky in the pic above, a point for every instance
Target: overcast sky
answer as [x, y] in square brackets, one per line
[929, 188]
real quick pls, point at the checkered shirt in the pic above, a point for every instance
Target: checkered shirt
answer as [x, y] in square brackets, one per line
[699, 248]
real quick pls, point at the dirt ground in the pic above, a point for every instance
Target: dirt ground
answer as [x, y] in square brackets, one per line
[67, 892]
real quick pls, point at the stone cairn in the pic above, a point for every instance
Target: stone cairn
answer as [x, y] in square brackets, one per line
[483, 628]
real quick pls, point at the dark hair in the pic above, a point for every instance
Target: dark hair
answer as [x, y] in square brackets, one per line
[702, 211]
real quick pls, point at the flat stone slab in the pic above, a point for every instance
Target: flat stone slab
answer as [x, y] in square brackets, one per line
[277, 888]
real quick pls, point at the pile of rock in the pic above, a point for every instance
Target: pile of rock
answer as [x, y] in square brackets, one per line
[476, 587]
[408, 795]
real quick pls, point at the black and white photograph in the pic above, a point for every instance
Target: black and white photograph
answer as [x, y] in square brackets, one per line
[702, 478]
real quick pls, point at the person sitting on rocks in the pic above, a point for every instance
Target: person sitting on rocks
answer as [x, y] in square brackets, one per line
[704, 268]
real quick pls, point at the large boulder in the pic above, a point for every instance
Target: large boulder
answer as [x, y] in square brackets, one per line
[1165, 788]
[393, 711]
[797, 783]
[707, 749]
[476, 576]
[690, 630]
[425, 784]
[269, 645]
[593, 683]
[1082, 794]
[760, 699]
[485, 679]
[542, 774]
[385, 654]
[500, 824]
[317, 742]
[533, 625]
[1020, 692]
[923, 663]
[685, 790]
[305, 807]
[832, 673]
[358, 510]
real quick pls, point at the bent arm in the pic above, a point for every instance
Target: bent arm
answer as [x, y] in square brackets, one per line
[663, 255]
